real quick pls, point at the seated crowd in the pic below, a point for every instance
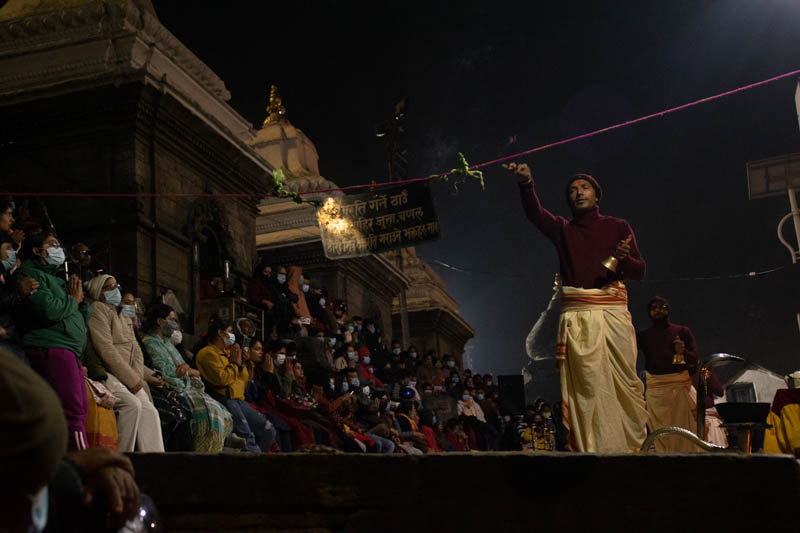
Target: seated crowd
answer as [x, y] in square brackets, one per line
[321, 378]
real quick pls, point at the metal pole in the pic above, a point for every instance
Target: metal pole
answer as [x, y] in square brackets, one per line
[795, 215]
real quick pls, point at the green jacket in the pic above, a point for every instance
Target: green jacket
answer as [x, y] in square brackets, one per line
[51, 318]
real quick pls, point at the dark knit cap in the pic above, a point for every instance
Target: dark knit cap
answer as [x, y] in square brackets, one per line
[658, 299]
[33, 430]
[598, 190]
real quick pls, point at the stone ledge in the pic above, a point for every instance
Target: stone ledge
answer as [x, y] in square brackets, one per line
[470, 492]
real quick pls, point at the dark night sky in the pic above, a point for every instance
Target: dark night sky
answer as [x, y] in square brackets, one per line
[477, 75]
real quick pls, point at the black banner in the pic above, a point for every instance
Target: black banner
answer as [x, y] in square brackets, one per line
[362, 224]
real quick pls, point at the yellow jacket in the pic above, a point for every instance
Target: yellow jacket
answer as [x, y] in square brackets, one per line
[223, 377]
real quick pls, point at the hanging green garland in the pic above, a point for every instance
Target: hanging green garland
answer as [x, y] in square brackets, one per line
[279, 191]
[462, 170]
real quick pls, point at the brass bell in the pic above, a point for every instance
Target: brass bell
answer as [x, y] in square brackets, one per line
[611, 263]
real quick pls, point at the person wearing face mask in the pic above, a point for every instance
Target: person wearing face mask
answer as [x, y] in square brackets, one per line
[221, 367]
[211, 422]
[370, 336]
[474, 417]
[44, 488]
[367, 377]
[112, 336]
[54, 321]
[454, 386]
[346, 355]
[284, 300]
[12, 290]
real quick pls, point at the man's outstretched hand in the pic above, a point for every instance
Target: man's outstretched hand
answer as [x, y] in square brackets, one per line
[521, 172]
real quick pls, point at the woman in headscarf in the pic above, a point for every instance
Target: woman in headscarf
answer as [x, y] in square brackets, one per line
[114, 341]
[211, 422]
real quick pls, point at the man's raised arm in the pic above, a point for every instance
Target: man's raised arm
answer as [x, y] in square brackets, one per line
[547, 222]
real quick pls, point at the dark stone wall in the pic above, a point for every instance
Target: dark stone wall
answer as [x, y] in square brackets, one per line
[472, 492]
[133, 139]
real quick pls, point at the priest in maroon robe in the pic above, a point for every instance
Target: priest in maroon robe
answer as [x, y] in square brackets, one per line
[670, 355]
[602, 396]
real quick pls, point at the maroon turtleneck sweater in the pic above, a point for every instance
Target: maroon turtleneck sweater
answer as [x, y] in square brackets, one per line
[656, 343]
[584, 242]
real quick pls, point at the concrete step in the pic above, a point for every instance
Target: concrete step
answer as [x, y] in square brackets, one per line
[492, 492]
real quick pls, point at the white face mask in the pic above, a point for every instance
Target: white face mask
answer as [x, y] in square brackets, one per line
[55, 256]
[305, 288]
[113, 297]
[366, 390]
[10, 261]
[176, 338]
[322, 302]
[281, 278]
[280, 359]
[230, 339]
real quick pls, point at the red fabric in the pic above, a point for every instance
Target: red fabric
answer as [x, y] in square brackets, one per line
[363, 438]
[430, 439]
[784, 397]
[257, 292]
[472, 437]
[584, 242]
[453, 438]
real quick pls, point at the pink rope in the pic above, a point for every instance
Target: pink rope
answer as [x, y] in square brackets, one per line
[415, 180]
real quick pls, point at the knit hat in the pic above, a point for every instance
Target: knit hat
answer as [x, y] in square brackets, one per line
[598, 190]
[95, 285]
[34, 431]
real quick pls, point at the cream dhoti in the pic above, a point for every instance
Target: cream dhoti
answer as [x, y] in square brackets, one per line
[602, 397]
[672, 402]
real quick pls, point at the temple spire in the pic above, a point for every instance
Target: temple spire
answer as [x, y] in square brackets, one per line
[276, 111]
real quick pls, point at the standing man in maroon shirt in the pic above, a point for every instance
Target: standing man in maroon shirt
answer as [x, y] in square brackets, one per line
[670, 352]
[602, 396]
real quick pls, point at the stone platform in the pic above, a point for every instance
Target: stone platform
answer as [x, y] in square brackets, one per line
[490, 492]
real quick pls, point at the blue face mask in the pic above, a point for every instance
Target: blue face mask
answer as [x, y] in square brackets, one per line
[55, 256]
[366, 360]
[351, 356]
[169, 328]
[113, 297]
[129, 311]
[39, 509]
[355, 382]
[345, 386]
[358, 327]
[10, 261]
[281, 278]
